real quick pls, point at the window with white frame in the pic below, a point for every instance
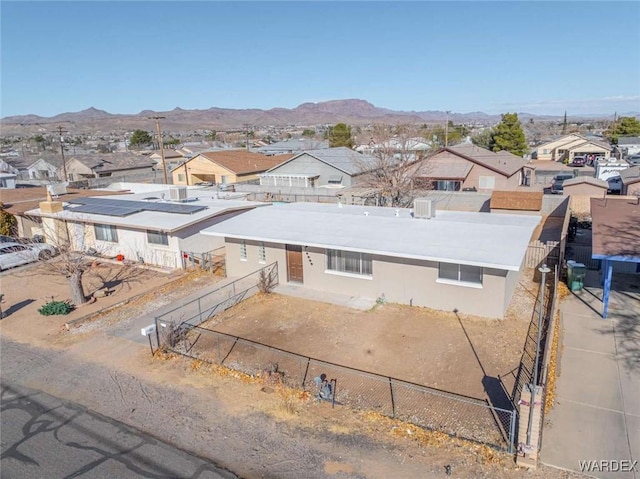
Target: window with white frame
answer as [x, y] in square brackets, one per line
[463, 273]
[243, 250]
[106, 233]
[487, 182]
[157, 237]
[349, 262]
[262, 253]
[180, 176]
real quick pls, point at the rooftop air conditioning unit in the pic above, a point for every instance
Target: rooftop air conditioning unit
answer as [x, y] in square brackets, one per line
[423, 208]
[178, 193]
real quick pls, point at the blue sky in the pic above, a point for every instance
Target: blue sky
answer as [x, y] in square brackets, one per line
[124, 57]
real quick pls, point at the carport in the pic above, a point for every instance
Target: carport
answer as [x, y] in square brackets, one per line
[616, 240]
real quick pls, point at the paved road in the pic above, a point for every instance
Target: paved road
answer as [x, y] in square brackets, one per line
[46, 437]
[597, 411]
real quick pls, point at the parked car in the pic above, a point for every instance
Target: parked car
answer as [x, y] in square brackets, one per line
[615, 184]
[11, 239]
[578, 161]
[556, 183]
[17, 254]
[633, 160]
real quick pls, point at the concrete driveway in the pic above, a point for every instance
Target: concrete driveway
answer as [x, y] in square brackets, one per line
[597, 412]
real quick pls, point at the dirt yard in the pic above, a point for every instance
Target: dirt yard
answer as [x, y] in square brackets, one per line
[28, 289]
[431, 348]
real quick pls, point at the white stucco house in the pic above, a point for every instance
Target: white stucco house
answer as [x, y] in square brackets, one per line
[470, 262]
[154, 227]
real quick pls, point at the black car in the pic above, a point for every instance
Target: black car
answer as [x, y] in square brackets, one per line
[578, 161]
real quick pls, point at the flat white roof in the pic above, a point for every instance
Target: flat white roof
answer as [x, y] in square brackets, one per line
[481, 239]
[156, 220]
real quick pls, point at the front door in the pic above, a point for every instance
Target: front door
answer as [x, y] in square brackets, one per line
[294, 263]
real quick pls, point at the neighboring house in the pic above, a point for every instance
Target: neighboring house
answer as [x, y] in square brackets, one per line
[108, 164]
[332, 167]
[172, 158]
[225, 166]
[408, 145]
[20, 200]
[469, 167]
[570, 146]
[6, 167]
[630, 145]
[516, 202]
[585, 186]
[14, 165]
[630, 181]
[7, 180]
[455, 261]
[42, 170]
[581, 190]
[141, 227]
[292, 146]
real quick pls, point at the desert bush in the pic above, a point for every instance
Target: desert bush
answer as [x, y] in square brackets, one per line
[266, 281]
[56, 308]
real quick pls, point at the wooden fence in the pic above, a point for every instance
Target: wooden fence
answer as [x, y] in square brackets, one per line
[539, 252]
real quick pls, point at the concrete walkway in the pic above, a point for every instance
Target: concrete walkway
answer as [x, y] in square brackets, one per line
[597, 412]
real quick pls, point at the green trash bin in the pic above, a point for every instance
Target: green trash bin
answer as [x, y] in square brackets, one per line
[577, 281]
[570, 266]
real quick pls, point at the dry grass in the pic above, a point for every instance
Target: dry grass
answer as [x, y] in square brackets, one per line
[425, 437]
[551, 374]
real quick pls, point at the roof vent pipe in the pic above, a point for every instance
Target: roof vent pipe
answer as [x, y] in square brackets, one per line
[366, 213]
[397, 212]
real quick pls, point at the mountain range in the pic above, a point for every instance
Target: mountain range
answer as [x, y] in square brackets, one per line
[351, 111]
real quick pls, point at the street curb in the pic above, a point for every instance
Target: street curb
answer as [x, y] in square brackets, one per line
[74, 323]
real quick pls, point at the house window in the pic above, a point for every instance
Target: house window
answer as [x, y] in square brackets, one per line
[157, 237]
[545, 152]
[262, 253]
[349, 262]
[106, 233]
[335, 180]
[487, 182]
[180, 176]
[462, 273]
[243, 251]
[447, 185]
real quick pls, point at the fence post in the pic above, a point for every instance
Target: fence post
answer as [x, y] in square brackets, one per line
[306, 371]
[155, 320]
[512, 431]
[393, 403]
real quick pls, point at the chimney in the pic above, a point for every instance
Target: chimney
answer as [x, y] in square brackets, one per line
[50, 206]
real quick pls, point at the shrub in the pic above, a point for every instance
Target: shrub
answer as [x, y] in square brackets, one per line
[266, 281]
[56, 307]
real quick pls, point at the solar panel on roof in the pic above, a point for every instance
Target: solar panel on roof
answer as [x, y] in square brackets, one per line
[105, 210]
[102, 204]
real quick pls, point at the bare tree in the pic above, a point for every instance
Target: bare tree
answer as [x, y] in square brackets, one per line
[77, 252]
[395, 164]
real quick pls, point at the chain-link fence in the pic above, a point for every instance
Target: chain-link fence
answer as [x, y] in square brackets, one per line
[196, 311]
[456, 415]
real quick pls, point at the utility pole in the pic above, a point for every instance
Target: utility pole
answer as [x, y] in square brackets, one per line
[164, 167]
[446, 131]
[64, 163]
